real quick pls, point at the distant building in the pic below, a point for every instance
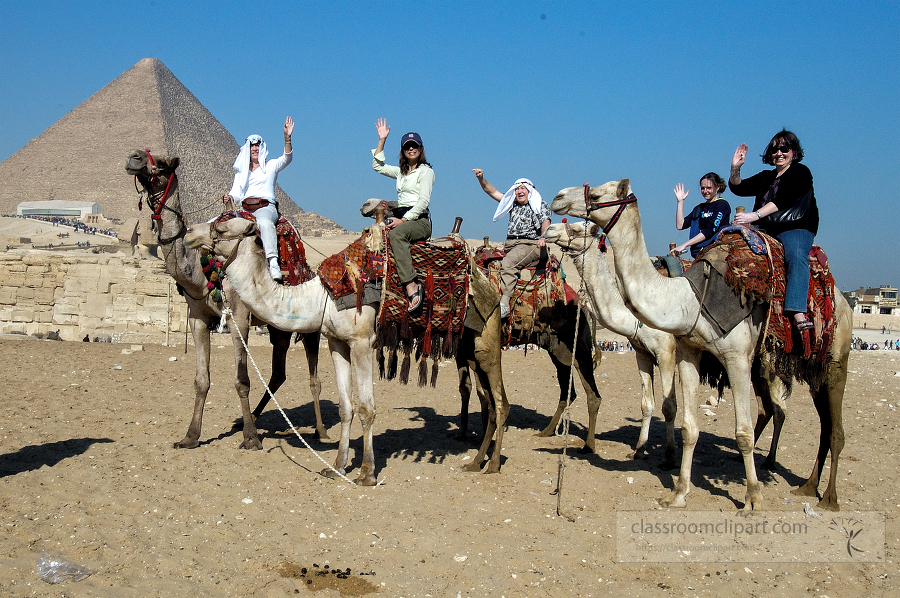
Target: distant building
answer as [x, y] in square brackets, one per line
[882, 300]
[75, 210]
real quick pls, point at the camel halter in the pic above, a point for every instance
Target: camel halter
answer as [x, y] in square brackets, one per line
[157, 200]
[590, 206]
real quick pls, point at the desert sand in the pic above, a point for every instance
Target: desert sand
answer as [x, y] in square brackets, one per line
[88, 473]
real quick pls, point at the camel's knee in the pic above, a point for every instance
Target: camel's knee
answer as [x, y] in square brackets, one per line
[745, 441]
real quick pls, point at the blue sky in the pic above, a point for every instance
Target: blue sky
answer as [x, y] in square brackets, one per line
[559, 92]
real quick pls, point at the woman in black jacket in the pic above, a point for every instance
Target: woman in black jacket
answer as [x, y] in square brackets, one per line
[785, 208]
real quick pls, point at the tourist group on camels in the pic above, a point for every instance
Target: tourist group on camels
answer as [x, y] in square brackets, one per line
[755, 310]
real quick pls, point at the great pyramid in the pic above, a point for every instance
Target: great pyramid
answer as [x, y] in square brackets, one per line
[81, 157]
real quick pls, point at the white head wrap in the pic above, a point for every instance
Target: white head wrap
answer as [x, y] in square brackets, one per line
[506, 202]
[242, 162]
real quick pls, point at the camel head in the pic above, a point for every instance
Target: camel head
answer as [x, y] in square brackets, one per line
[571, 238]
[140, 165]
[221, 237]
[571, 200]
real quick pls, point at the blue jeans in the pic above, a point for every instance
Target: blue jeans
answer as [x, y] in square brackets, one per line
[797, 244]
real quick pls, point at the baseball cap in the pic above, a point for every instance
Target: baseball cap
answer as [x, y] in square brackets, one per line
[411, 137]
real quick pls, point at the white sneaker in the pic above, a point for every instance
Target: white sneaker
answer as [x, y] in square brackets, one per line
[274, 268]
[504, 308]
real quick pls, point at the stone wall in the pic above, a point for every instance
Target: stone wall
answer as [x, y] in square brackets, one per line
[86, 294]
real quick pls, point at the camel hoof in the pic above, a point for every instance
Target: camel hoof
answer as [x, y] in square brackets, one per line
[491, 468]
[330, 474]
[753, 500]
[251, 444]
[586, 450]
[805, 490]
[545, 433]
[365, 481]
[769, 465]
[186, 444]
[673, 501]
[473, 466]
[638, 455]
[829, 505]
[322, 435]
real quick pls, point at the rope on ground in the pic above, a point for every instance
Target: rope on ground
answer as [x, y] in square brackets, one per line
[226, 312]
[566, 417]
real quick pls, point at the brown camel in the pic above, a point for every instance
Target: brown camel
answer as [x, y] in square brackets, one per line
[157, 177]
[350, 336]
[670, 304]
[558, 343]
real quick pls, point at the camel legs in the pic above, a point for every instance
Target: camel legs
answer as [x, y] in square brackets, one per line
[281, 343]
[240, 325]
[648, 401]
[200, 331]
[828, 400]
[465, 392]
[361, 356]
[484, 357]
[562, 378]
[770, 392]
[689, 374]
[585, 364]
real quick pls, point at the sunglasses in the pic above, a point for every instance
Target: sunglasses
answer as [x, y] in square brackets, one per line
[781, 148]
[410, 146]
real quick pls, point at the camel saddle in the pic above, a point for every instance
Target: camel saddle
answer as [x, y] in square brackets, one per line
[291, 252]
[353, 276]
[434, 330]
[538, 304]
[743, 268]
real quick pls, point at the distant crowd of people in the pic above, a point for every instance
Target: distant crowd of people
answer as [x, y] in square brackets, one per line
[77, 225]
[615, 346]
[859, 344]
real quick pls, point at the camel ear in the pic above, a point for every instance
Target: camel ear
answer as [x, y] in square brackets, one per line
[622, 190]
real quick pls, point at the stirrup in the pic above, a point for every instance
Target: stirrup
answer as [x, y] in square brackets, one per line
[804, 325]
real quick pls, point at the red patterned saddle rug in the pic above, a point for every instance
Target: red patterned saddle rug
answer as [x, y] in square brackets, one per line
[434, 330]
[537, 305]
[348, 271]
[291, 252]
[758, 275]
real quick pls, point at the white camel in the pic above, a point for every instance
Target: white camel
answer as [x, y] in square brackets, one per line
[670, 304]
[651, 346]
[579, 242]
[304, 308]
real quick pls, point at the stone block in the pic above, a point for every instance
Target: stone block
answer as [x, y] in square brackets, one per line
[43, 296]
[37, 269]
[63, 319]
[8, 295]
[98, 305]
[22, 315]
[24, 294]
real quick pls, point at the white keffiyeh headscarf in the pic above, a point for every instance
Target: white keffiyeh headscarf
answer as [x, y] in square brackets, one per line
[242, 162]
[506, 202]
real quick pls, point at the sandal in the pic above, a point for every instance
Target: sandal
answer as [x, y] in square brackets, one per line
[420, 295]
[804, 325]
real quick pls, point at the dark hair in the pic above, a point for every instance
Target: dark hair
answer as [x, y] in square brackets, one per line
[790, 140]
[718, 181]
[404, 162]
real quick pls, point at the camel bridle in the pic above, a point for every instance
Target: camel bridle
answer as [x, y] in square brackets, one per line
[157, 199]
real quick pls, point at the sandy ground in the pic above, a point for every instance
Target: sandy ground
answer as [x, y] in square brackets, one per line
[88, 472]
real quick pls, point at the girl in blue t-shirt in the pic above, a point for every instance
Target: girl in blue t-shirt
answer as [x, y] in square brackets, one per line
[707, 218]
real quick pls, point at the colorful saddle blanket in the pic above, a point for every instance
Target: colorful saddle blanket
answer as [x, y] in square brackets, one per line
[753, 269]
[538, 305]
[351, 270]
[291, 253]
[434, 330]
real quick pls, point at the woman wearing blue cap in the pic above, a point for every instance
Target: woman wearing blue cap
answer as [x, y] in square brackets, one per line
[254, 189]
[411, 221]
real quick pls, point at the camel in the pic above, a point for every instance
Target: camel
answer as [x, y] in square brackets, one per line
[670, 305]
[651, 346]
[351, 335]
[157, 176]
[578, 242]
[558, 344]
